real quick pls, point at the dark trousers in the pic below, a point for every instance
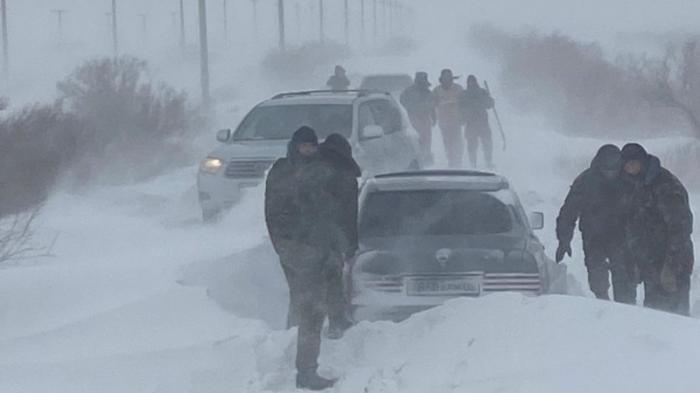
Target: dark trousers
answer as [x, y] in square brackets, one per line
[656, 297]
[303, 266]
[336, 301]
[476, 135]
[423, 125]
[605, 258]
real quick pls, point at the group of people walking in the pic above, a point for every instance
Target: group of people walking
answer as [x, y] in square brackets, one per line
[634, 216]
[461, 114]
[636, 225]
[311, 208]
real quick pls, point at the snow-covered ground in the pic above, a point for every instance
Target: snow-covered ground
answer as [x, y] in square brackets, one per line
[142, 297]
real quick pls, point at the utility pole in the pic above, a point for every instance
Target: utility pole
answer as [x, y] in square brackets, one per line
[321, 25]
[255, 18]
[115, 42]
[374, 17]
[347, 23]
[385, 25]
[5, 48]
[226, 22]
[182, 27]
[59, 15]
[362, 22]
[280, 17]
[297, 12]
[204, 55]
[144, 28]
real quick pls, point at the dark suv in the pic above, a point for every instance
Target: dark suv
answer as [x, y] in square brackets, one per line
[429, 236]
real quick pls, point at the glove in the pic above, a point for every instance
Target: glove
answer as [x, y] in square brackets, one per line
[563, 249]
[669, 280]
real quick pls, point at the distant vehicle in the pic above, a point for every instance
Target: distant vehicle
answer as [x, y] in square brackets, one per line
[429, 236]
[372, 122]
[390, 83]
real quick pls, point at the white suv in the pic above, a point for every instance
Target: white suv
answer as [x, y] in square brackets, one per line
[372, 121]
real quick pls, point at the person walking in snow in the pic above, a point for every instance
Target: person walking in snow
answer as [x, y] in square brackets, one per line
[340, 207]
[658, 230]
[296, 229]
[338, 81]
[446, 97]
[594, 200]
[475, 103]
[417, 99]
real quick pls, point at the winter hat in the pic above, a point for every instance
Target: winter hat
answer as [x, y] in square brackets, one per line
[422, 77]
[339, 145]
[608, 158]
[305, 135]
[634, 151]
[447, 75]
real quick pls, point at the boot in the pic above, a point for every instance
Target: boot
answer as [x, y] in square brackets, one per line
[310, 380]
[336, 328]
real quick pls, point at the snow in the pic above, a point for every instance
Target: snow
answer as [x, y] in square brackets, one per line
[142, 297]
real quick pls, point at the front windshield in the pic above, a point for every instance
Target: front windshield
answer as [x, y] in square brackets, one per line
[281, 121]
[433, 212]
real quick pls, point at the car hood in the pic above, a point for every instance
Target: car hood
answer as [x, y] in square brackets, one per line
[271, 149]
[444, 254]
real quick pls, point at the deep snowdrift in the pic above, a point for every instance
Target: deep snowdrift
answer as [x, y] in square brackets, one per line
[142, 297]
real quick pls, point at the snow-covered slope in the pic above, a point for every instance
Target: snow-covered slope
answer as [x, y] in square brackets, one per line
[141, 297]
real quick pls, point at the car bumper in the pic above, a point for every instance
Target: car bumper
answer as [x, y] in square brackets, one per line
[218, 192]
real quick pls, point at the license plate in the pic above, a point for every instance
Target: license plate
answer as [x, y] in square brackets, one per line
[443, 286]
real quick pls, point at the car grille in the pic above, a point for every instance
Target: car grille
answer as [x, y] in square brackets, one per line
[512, 282]
[491, 282]
[248, 169]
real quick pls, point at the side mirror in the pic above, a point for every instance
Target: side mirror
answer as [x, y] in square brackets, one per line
[536, 220]
[223, 135]
[372, 132]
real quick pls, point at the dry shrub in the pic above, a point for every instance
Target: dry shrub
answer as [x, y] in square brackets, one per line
[574, 85]
[37, 144]
[135, 129]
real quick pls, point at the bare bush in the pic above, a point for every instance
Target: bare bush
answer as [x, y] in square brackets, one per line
[17, 240]
[135, 129]
[576, 86]
[37, 144]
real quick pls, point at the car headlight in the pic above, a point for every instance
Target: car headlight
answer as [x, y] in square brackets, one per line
[211, 165]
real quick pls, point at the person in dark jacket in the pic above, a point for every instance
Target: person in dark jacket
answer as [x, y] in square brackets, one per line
[475, 103]
[338, 81]
[658, 231]
[294, 230]
[342, 184]
[417, 99]
[594, 201]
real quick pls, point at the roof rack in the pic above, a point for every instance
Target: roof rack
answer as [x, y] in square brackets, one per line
[358, 92]
[436, 172]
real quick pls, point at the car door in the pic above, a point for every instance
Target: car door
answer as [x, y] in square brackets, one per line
[397, 145]
[371, 152]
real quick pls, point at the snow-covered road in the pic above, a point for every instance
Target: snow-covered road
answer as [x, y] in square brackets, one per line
[142, 297]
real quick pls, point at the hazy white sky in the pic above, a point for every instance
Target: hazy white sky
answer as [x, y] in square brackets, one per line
[38, 59]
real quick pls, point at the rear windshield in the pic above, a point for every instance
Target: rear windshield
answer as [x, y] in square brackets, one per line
[387, 83]
[433, 212]
[280, 121]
